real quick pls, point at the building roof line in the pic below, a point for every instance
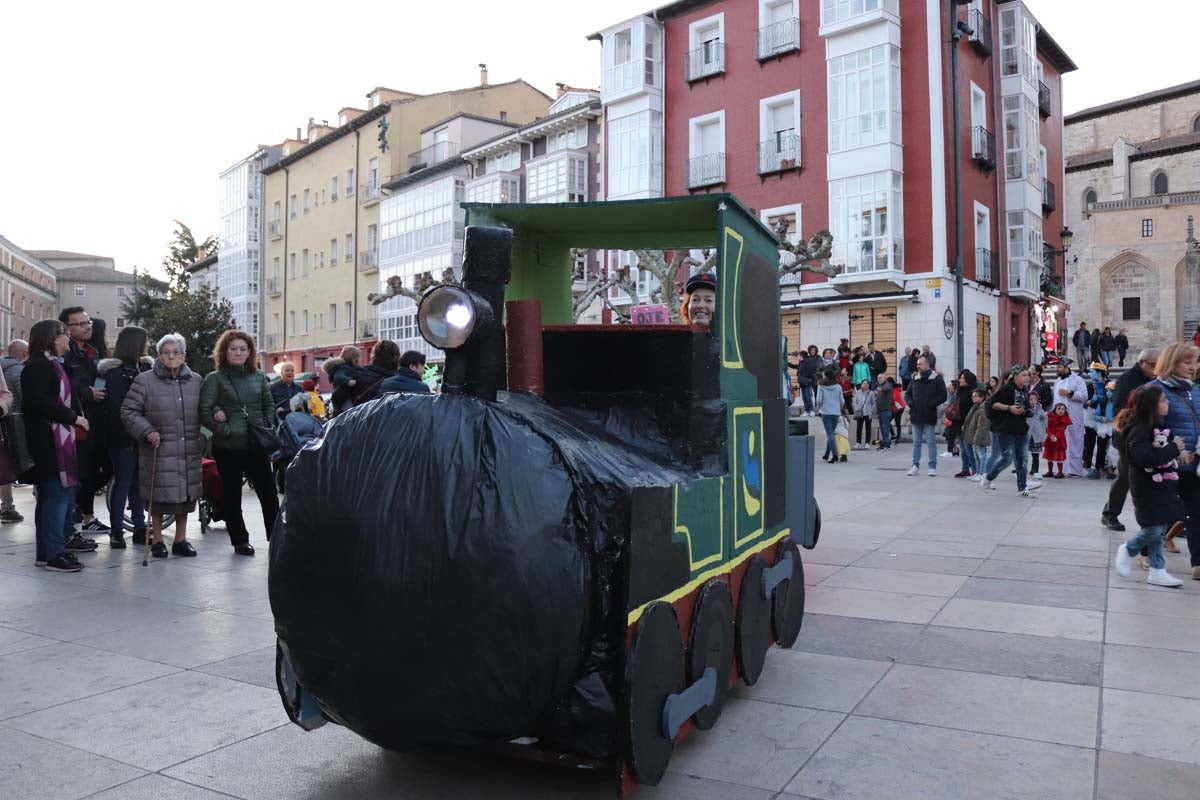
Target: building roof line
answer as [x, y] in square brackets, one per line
[1145, 99]
[469, 115]
[591, 106]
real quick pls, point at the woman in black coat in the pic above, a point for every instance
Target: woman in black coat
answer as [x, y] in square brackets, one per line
[119, 373]
[53, 418]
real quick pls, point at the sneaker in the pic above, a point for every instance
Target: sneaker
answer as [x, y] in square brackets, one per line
[184, 549]
[1033, 486]
[61, 563]
[1112, 523]
[963, 473]
[11, 516]
[1093, 475]
[913, 471]
[1024, 493]
[1124, 561]
[95, 526]
[976, 478]
[987, 485]
[80, 544]
[1160, 577]
[932, 472]
[158, 550]
[948, 454]
[116, 541]
[39, 561]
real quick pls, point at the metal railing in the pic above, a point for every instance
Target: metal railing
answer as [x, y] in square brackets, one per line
[1043, 99]
[1049, 195]
[368, 328]
[368, 261]
[369, 192]
[983, 146]
[981, 31]
[779, 154]
[705, 61]
[275, 229]
[778, 38]
[983, 266]
[272, 286]
[705, 170]
[436, 153]
[1178, 198]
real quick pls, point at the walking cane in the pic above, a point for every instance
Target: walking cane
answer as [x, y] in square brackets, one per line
[150, 507]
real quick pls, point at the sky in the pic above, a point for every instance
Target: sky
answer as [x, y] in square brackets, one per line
[117, 118]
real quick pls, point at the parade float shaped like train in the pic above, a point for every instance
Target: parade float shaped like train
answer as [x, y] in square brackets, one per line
[586, 540]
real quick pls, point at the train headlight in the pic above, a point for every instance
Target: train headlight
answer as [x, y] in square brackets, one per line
[449, 316]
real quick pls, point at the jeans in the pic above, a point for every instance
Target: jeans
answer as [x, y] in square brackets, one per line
[928, 434]
[808, 393]
[980, 456]
[898, 422]
[1189, 493]
[1106, 357]
[125, 489]
[967, 453]
[54, 505]
[1121, 356]
[232, 465]
[1151, 538]
[885, 429]
[6, 498]
[1011, 448]
[1081, 359]
[830, 422]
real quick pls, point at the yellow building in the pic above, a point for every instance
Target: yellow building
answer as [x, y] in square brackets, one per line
[321, 212]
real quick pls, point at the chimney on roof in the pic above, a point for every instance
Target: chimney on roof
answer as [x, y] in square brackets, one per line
[483, 75]
[562, 89]
[297, 134]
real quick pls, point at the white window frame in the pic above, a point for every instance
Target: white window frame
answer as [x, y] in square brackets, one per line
[333, 189]
[709, 66]
[980, 119]
[846, 226]
[304, 261]
[349, 181]
[349, 250]
[306, 198]
[986, 213]
[695, 137]
[772, 160]
[777, 45]
[333, 252]
[845, 128]
[120, 291]
[79, 290]
[349, 307]
[292, 322]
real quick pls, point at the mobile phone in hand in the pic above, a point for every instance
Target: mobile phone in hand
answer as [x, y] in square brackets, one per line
[100, 383]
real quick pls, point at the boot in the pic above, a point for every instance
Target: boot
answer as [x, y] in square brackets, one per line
[1159, 577]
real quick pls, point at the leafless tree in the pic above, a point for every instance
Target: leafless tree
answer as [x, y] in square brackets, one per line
[422, 282]
[799, 257]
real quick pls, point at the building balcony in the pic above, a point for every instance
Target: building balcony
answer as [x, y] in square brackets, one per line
[273, 286]
[779, 38]
[436, 153]
[980, 32]
[368, 261]
[369, 193]
[706, 170]
[1178, 198]
[1024, 279]
[368, 328]
[779, 154]
[872, 260]
[501, 186]
[636, 75]
[705, 62]
[983, 147]
[983, 266]
[1049, 198]
[1043, 99]
[275, 229]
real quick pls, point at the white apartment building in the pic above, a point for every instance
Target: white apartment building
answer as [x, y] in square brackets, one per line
[239, 270]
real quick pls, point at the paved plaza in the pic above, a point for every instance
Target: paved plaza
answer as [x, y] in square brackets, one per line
[956, 645]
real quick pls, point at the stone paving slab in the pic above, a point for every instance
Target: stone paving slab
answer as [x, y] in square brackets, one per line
[1145, 669]
[832, 683]
[874, 605]
[1123, 777]
[1021, 656]
[1034, 593]
[894, 580]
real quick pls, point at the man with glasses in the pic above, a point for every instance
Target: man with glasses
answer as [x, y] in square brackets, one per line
[1127, 384]
[80, 362]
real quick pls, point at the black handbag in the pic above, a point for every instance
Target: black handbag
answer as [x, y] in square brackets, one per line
[12, 431]
[263, 440]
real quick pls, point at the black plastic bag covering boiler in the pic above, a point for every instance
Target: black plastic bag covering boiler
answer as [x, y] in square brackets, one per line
[444, 577]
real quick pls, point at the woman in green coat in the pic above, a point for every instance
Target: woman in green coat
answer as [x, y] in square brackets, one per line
[234, 395]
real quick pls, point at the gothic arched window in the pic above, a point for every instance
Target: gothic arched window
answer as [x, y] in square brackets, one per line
[1161, 185]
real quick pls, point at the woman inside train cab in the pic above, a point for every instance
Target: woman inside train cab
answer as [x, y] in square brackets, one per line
[700, 300]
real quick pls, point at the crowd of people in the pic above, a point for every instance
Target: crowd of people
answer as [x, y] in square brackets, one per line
[1139, 430]
[74, 420]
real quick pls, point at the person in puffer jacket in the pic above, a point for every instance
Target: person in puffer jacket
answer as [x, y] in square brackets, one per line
[343, 374]
[1176, 372]
[119, 373]
[977, 433]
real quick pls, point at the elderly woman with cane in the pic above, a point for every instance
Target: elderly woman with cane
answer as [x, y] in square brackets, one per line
[162, 413]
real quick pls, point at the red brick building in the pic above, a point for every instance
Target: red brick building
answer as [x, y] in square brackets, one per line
[838, 115]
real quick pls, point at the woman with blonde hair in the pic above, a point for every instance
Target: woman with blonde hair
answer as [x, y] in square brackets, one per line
[1176, 371]
[235, 397]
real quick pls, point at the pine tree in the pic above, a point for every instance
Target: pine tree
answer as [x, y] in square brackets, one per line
[182, 252]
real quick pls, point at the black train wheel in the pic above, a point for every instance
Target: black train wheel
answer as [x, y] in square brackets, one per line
[787, 603]
[653, 672]
[710, 644]
[753, 622]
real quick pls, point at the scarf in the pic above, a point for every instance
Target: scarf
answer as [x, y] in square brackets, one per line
[64, 435]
